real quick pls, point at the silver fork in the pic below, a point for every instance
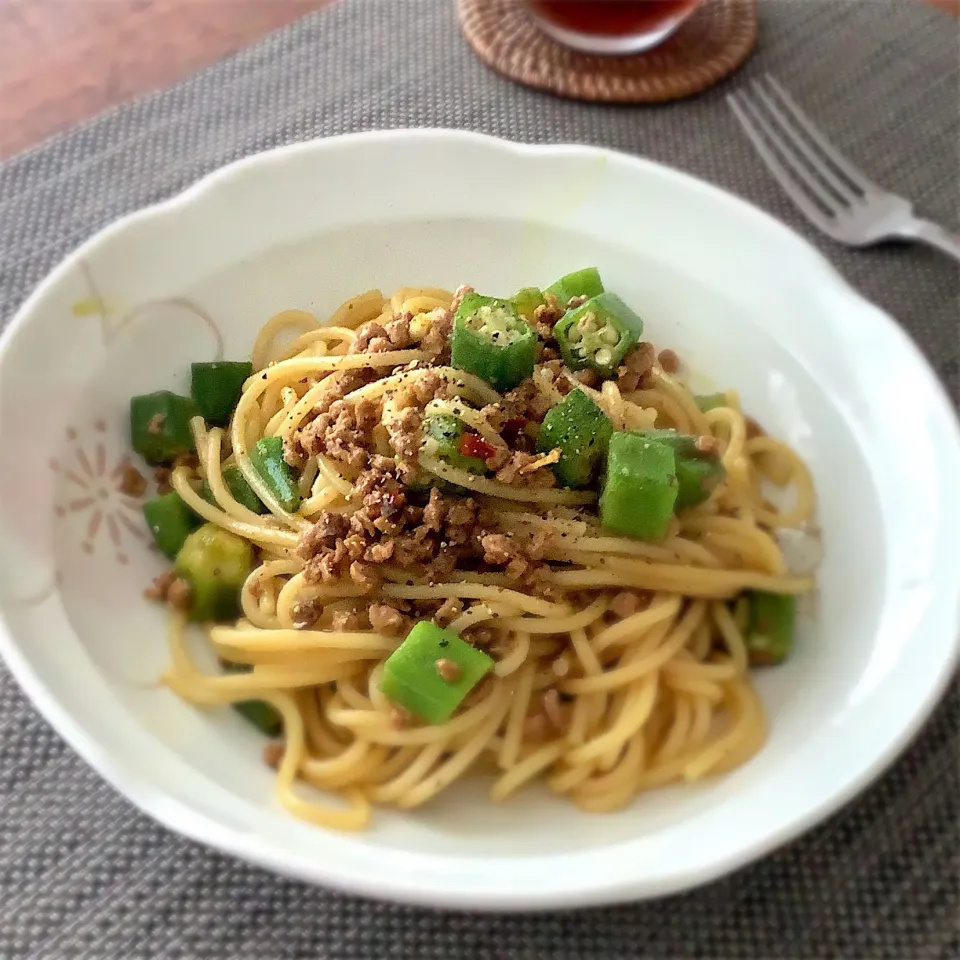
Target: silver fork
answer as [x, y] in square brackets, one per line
[831, 192]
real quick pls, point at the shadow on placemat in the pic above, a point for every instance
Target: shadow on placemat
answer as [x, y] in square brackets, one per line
[83, 875]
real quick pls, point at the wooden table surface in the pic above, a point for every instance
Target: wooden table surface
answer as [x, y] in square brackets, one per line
[62, 61]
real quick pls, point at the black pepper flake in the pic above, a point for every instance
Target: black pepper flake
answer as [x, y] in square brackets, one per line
[444, 643]
[264, 377]
[410, 583]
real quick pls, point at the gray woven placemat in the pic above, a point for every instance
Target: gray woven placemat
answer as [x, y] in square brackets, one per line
[82, 874]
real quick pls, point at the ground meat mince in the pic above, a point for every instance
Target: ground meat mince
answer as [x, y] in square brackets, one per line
[388, 528]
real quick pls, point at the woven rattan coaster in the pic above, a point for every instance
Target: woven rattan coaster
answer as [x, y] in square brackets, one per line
[709, 46]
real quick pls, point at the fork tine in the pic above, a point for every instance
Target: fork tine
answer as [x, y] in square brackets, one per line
[787, 176]
[843, 165]
[801, 172]
[843, 190]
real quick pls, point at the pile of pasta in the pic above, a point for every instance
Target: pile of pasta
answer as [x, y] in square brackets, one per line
[631, 672]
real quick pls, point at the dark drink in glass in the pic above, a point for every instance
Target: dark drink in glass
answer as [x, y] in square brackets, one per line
[611, 26]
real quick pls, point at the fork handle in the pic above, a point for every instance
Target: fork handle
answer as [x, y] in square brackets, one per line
[933, 235]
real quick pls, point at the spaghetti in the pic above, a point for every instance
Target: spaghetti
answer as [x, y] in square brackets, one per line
[620, 662]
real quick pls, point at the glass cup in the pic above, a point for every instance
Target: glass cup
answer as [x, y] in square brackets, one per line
[611, 26]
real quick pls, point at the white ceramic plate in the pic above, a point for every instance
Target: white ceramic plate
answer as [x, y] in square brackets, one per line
[744, 301]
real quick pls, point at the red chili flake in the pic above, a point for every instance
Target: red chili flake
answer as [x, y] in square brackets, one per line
[473, 446]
